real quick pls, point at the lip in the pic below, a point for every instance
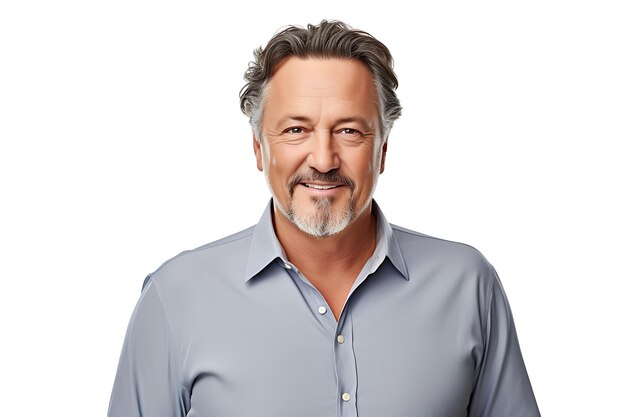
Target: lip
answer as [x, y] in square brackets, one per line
[322, 184]
[319, 191]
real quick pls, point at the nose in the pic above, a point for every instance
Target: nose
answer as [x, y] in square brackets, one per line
[323, 154]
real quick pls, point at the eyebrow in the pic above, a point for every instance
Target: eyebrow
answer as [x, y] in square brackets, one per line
[359, 119]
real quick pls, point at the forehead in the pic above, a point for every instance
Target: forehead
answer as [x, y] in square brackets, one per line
[322, 86]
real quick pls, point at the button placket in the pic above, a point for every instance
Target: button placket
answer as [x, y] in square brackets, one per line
[341, 331]
[346, 368]
[312, 297]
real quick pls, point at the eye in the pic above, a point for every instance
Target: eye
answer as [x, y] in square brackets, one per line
[349, 131]
[294, 130]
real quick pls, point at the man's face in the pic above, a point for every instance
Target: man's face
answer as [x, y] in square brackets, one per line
[320, 150]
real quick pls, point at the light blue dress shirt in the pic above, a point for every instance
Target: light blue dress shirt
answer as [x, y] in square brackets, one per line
[233, 329]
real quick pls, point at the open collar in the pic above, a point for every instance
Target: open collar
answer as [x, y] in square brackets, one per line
[265, 247]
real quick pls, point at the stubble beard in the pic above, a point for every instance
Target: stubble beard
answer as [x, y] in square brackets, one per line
[323, 222]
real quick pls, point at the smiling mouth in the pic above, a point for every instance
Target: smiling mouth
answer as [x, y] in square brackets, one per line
[320, 187]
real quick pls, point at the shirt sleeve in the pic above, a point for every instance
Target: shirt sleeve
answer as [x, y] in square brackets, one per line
[148, 382]
[502, 388]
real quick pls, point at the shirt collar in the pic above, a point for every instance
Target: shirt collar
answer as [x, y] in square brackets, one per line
[265, 246]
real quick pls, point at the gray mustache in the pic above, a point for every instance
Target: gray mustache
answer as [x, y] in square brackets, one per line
[330, 176]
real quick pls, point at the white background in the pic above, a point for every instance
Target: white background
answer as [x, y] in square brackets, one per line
[122, 144]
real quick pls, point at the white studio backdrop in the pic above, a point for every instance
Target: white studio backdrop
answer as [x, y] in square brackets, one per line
[122, 144]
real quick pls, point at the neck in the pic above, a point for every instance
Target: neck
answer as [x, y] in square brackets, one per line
[343, 253]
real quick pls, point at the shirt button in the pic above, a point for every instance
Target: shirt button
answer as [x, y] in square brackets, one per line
[345, 396]
[342, 339]
[287, 266]
[322, 310]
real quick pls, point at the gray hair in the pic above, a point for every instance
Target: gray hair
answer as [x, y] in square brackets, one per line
[329, 39]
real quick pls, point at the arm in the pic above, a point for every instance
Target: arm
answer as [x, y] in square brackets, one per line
[148, 382]
[502, 388]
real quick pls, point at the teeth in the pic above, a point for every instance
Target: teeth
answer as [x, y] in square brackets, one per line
[321, 187]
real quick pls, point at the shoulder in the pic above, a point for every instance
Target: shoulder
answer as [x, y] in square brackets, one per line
[223, 254]
[420, 250]
[458, 270]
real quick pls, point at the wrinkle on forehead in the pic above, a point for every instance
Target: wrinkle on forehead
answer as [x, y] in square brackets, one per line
[318, 88]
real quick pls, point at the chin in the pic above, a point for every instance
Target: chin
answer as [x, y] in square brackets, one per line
[324, 220]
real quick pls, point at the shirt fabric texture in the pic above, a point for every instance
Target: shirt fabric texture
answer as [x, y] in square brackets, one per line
[233, 329]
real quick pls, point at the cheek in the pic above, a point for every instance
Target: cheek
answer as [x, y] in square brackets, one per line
[280, 169]
[286, 161]
[270, 162]
[361, 171]
[366, 165]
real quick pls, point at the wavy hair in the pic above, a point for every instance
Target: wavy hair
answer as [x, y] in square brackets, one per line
[329, 39]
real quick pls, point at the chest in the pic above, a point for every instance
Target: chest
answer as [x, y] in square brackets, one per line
[335, 296]
[278, 356]
[334, 288]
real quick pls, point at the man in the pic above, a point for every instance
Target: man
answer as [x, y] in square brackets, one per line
[323, 308]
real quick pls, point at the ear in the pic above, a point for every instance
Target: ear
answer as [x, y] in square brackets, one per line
[257, 153]
[383, 155]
